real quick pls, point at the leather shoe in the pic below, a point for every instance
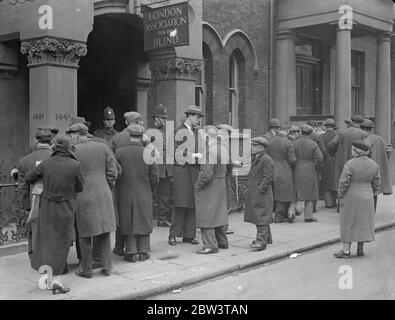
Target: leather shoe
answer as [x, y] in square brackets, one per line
[223, 246]
[207, 251]
[280, 220]
[83, 275]
[291, 219]
[96, 265]
[191, 241]
[164, 223]
[360, 253]
[118, 252]
[229, 232]
[144, 256]
[106, 272]
[172, 241]
[130, 258]
[342, 254]
[310, 220]
[258, 246]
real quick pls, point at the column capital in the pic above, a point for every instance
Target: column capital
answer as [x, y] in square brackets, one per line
[53, 51]
[384, 37]
[285, 34]
[175, 68]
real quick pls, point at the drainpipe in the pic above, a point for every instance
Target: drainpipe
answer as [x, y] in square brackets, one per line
[271, 57]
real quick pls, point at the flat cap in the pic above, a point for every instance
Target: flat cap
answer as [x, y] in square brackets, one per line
[75, 120]
[357, 118]
[306, 128]
[133, 117]
[348, 121]
[48, 128]
[77, 128]
[108, 114]
[294, 129]
[367, 123]
[274, 123]
[135, 130]
[361, 144]
[260, 140]
[311, 123]
[329, 123]
[42, 135]
[194, 110]
[63, 142]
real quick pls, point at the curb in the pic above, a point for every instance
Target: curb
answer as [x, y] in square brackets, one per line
[234, 268]
[14, 248]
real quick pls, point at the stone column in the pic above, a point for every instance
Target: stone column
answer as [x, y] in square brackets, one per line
[383, 87]
[174, 84]
[53, 65]
[285, 76]
[343, 77]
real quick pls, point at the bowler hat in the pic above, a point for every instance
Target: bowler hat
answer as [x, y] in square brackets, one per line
[194, 110]
[133, 117]
[361, 144]
[260, 140]
[306, 128]
[77, 128]
[135, 130]
[357, 118]
[274, 123]
[160, 112]
[108, 114]
[329, 123]
[367, 123]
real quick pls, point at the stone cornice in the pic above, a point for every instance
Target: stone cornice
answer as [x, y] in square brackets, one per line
[53, 51]
[175, 68]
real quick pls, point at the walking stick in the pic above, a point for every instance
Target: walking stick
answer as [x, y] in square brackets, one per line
[338, 205]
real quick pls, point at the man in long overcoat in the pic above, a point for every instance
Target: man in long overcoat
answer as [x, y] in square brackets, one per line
[328, 178]
[42, 151]
[259, 202]
[359, 182]
[95, 208]
[309, 161]
[135, 186]
[293, 134]
[281, 150]
[165, 171]
[340, 146]
[211, 197]
[379, 152]
[185, 173]
[120, 140]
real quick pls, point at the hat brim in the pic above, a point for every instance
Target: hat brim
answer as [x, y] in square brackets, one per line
[159, 116]
[194, 113]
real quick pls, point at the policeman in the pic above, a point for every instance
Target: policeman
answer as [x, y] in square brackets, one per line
[165, 171]
[108, 131]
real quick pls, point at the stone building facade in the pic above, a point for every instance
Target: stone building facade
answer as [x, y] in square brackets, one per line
[247, 61]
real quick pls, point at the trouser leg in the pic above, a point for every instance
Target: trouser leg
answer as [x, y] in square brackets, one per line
[119, 240]
[130, 244]
[314, 205]
[103, 245]
[164, 199]
[77, 240]
[282, 210]
[292, 209]
[375, 203]
[308, 209]
[86, 255]
[177, 222]
[96, 253]
[190, 224]
[263, 235]
[208, 238]
[143, 243]
[329, 199]
[220, 235]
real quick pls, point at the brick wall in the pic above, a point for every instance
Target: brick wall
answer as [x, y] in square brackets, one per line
[252, 17]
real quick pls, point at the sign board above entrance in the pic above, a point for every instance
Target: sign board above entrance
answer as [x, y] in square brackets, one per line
[166, 26]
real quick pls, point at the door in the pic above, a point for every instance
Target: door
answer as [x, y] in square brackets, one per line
[308, 100]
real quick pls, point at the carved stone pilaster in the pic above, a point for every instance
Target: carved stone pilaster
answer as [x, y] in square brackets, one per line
[53, 51]
[175, 69]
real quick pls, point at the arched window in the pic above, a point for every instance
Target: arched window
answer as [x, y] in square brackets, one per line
[236, 87]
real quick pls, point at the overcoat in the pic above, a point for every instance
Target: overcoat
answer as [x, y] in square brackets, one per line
[317, 138]
[259, 201]
[281, 150]
[210, 191]
[379, 155]
[164, 169]
[120, 139]
[134, 189]
[309, 161]
[106, 134]
[185, 173]
[340, 147]
[328, 177]
[95, 208]
[62, 179]
[359, 182]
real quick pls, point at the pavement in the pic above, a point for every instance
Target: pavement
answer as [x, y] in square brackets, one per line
[172, 268]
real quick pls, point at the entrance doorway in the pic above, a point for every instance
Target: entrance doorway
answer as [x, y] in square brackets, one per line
[107, 75]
